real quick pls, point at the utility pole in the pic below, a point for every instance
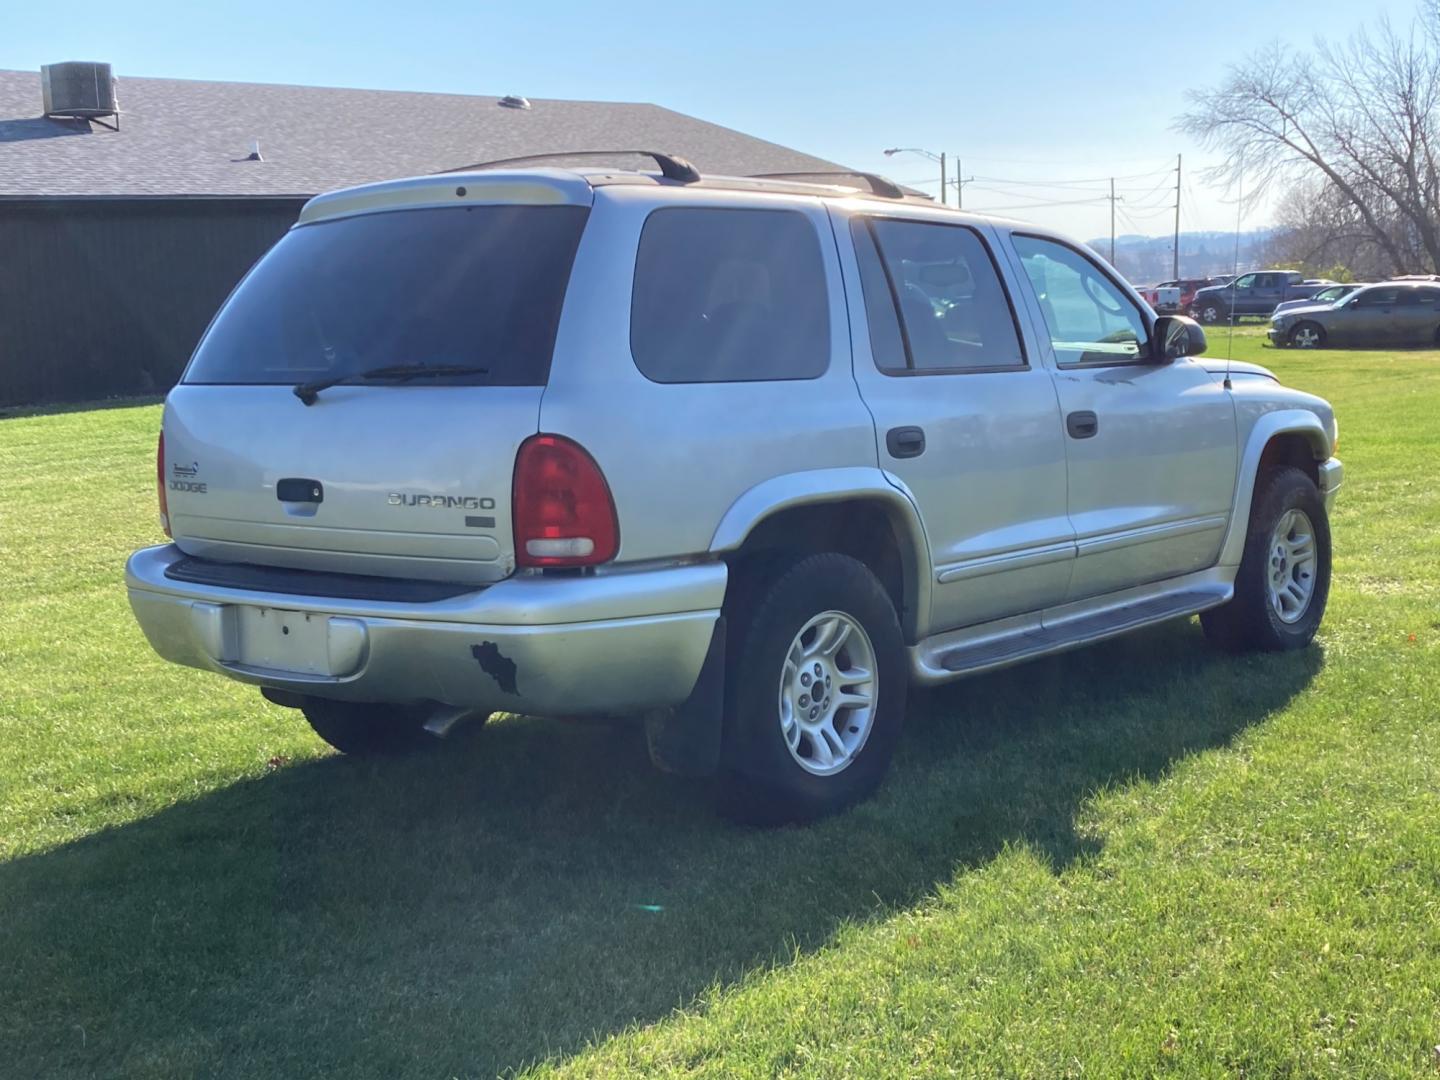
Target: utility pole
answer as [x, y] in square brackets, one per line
[960, 181]
[1175, 267]
[1112, 221]
[942, 178]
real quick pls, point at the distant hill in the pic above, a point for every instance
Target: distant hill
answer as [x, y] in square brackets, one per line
[1145, 260]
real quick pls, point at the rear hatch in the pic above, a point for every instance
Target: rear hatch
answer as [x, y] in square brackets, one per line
[394, 470]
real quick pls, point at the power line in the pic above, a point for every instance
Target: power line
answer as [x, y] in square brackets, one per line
[1023, 182]
[1057, 161]
[1040, 205]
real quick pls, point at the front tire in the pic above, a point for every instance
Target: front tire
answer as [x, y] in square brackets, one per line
[366, 729]
[1284, 578]
[1211, 313]
[815, 693]
[1307, 335]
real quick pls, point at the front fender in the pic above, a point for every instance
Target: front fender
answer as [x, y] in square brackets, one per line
[819, 486]
[1266, 427]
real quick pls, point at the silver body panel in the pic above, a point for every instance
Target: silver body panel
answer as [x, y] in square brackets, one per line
[611, 642]
[1016, 539]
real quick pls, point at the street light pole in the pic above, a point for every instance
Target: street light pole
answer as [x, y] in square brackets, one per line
[944, 175]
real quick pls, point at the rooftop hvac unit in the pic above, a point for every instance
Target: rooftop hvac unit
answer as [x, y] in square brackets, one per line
[78, 89]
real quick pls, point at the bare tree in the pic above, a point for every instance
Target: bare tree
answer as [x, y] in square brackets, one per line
[1321, 233]
[1358, 120]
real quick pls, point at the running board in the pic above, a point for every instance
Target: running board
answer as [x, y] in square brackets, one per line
[1056, 630]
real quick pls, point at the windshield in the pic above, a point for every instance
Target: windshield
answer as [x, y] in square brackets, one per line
[476, 287]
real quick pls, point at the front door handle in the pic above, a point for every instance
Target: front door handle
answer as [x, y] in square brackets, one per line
[1082, 425]
[903, 442]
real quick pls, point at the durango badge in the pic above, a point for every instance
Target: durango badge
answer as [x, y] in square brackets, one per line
[441, 502]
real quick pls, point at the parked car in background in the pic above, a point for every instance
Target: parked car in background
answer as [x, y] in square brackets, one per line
[602, 442]
[1375, 316]
[1256, 293]
[1328, 295]
[1174, 296]
[1162, 297]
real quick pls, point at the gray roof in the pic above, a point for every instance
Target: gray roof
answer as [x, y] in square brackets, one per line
[186, 138]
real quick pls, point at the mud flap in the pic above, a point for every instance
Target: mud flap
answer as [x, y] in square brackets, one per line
[685, 740]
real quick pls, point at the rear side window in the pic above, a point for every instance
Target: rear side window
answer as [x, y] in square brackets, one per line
[729, 296]
[478, 286]
[954, 313]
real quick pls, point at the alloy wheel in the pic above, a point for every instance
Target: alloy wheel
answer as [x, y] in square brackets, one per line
[829, 686]
[1290, 579]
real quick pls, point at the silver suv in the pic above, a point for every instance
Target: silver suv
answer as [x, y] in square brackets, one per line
[745, 457]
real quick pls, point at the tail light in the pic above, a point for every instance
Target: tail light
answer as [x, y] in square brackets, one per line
[160, 486]
[563, 512]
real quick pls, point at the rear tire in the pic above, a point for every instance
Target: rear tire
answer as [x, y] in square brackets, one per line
[1307, 335]
[366, 729]
[791, 757]
[1284, 578]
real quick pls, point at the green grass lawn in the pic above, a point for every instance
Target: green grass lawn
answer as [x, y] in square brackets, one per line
[1143, 857]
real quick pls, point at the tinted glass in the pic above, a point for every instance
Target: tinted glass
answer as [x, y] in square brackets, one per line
[887, 345]
[955, 312]
[1089, 318]
[729, 296]
[477, 286]
[1376, 297]
[1416, 297]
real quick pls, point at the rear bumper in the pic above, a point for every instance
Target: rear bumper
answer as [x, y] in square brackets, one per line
[625, 640]
[1332, 475]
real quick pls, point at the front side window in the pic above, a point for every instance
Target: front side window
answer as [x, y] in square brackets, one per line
[954, 314]
[1246, 281]
[1376, 297]
[729, 296]
[473, 286]
[1090, 320]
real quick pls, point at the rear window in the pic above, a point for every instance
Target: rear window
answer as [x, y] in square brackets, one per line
[474, 286]
[729, 296]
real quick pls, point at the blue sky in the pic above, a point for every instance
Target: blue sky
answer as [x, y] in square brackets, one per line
[1035, 92]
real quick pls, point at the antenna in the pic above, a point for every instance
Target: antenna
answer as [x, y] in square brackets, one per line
[1235, 271]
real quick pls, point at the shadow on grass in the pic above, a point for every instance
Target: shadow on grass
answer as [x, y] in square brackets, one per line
[534, 884]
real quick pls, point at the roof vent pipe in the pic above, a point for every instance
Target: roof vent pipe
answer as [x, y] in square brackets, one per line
[254, 154]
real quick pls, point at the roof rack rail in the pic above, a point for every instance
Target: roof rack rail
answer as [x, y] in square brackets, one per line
[879, 185]
[671, 166]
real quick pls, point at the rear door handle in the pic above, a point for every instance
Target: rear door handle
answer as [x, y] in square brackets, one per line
[1082, 425]
[903, 442]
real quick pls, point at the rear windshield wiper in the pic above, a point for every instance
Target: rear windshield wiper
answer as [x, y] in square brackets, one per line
[307, 392]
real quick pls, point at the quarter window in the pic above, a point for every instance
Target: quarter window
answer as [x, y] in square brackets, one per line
[1090, 320]
[729, 296]
[953, 313]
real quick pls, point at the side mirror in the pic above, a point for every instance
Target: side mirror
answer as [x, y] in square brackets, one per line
[1175, 336]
